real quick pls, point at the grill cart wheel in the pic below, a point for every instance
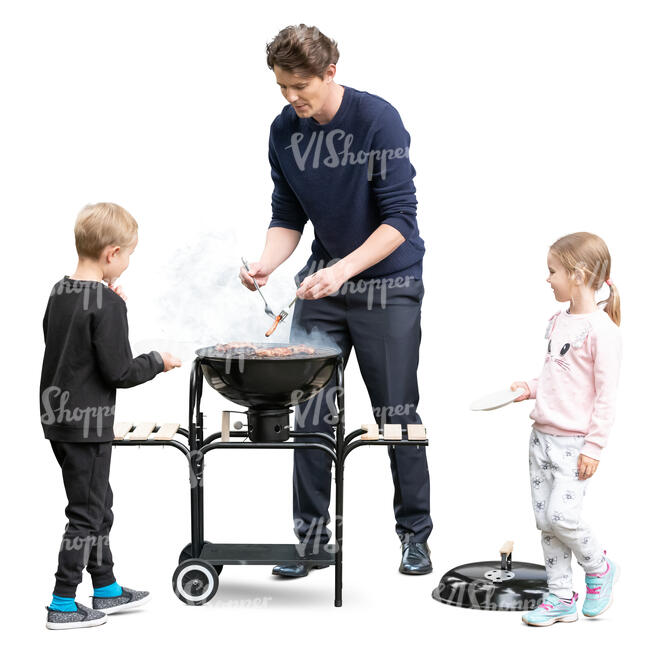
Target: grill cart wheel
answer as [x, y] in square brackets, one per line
[195, 582]
[186, 554]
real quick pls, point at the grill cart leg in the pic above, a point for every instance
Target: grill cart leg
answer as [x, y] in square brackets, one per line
[196, 503]
[338, 528]
[340, 444]
[196, 458]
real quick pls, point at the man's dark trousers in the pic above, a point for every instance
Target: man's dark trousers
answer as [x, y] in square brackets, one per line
[382, 323]
[85, 467]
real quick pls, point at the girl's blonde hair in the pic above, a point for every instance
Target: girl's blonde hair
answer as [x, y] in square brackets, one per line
[586, 252]
[103, 224]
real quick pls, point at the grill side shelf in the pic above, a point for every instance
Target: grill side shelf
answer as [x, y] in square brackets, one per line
[154, 443]
[415, 436]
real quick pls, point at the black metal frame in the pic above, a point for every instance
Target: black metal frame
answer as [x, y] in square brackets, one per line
[341, 445]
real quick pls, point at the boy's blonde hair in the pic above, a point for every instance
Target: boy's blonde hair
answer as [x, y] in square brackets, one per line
[586, 252]
[103, 224]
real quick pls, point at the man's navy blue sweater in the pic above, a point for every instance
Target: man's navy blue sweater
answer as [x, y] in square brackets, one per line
[347, 177]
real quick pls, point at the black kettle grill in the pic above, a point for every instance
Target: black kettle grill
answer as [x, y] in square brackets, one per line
[268, 386]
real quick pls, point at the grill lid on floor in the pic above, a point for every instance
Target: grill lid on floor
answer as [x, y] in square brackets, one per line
[494, 584]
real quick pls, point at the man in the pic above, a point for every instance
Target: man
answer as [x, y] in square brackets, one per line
[339, 158]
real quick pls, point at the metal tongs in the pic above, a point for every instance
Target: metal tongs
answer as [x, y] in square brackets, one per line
[276, 319]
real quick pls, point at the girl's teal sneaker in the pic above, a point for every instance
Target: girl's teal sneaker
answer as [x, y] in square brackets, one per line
[552, 610]
[599, 590]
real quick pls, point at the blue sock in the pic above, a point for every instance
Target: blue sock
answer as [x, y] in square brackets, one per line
[63, 604]
[110, 591]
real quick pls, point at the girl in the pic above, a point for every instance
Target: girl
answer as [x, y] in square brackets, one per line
[574, 411]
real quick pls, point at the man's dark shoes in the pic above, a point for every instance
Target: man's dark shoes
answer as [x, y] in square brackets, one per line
[295, 570]
[415, 559]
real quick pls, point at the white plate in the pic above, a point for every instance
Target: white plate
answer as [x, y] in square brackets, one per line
[496, 400]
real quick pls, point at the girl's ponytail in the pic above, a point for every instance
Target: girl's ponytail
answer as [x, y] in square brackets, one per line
[613, 303]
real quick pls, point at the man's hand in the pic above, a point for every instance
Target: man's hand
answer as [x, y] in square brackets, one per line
[257, 271]
[170, 361]
[118, 290]
[525, 394]
[322, 283]
[586, 467]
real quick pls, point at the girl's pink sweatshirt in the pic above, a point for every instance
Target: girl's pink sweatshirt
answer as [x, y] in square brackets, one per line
[576, 391]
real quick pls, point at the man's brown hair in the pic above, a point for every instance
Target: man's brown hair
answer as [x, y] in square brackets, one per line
[303, 50]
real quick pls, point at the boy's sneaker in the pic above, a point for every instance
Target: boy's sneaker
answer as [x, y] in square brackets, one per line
[599, 590]
[129, 599]
[83, 617]
[552, 610]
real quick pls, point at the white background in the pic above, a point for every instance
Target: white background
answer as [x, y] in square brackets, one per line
[528, 120]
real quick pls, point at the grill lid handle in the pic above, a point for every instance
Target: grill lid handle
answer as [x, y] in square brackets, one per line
[506, 555]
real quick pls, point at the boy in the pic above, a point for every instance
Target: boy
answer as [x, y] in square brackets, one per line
[87, 356]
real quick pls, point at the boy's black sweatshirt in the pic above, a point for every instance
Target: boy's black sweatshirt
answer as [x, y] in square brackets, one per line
[87, 356]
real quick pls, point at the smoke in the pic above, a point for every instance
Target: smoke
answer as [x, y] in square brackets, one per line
[315, 338]
[198, 300]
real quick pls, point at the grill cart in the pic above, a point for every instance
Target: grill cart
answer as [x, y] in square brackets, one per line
[267, 386]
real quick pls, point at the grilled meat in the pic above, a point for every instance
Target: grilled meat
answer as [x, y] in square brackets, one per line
[263, 351]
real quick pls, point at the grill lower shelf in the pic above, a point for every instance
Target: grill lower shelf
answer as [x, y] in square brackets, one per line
[264, 554]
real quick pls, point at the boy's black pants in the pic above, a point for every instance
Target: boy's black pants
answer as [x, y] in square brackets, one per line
[85, 467]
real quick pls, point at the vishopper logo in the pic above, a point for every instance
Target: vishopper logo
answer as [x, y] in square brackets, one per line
[89, 544]
[385, 414]
[237, 356]
[599, 275]
[372, 287]
[314, 406]
[382, 414]
[55, 411]
[243, 603]
[316, 530]
[92, 292]
[480, 594]
[380, 285]
[197, 467]
[331, 141]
